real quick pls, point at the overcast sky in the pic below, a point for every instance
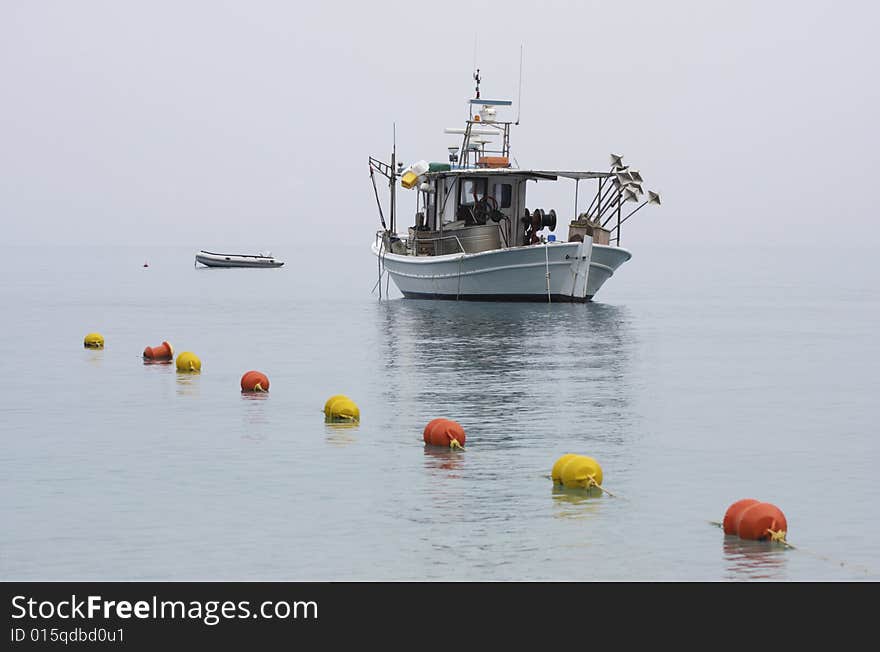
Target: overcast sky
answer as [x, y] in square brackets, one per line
[228, 124]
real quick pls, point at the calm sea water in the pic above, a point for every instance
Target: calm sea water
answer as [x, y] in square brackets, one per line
[696, 378]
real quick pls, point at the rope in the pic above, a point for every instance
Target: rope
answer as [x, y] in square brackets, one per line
[378, 203]
[376, 284]
[592, 483]
[778, 536]
[381, 266]
[547, 272]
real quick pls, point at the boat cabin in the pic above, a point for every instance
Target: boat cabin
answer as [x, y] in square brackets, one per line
[480, 209]
[477, 202]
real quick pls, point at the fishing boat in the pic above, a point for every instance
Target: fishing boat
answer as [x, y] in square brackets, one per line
[473, 236]
[211, 259]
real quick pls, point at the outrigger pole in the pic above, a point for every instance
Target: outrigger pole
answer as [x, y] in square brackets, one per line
[387, 171]
[606, 199]
[393, 178]
[626, 194]
[617, 195]
[653, 198]
[390, 173]
[618, 169]
[376, 191]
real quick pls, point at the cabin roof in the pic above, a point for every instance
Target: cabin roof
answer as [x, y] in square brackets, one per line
[550, 175]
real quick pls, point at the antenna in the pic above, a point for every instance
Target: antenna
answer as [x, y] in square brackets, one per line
[519, 99]
[474, 67]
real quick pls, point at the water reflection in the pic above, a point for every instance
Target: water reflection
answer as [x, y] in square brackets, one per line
[442, 459]
[754, 560]
[575, 503]
[255, 435]
[95, 356]
[255, 396]
[340, 434]
[188, 384]
[522, 367]
[254, 416]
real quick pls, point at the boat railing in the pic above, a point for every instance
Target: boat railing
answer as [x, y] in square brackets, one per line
[412, 243]
[434, 240]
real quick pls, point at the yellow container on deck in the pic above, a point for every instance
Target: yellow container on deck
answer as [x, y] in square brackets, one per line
[409, 179]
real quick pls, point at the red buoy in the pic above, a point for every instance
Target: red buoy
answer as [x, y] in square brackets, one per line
[444, 432]
[762, 521]
[161, 353]
[426, 432]
[731, 516]
[254, 381]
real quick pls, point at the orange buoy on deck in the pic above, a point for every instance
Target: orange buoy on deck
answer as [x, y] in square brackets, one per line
[444, 432]
[254, 381]
[733, 513]
[162, 353]
[762, 521]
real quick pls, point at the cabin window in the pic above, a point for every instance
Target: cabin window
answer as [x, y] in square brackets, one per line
[472, 190]
[503, 193]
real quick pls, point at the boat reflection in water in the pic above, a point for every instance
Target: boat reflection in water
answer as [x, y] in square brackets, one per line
[510, 373]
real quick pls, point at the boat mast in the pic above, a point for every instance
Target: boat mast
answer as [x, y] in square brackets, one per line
[393, 179]
[502, 128]
[466, 140]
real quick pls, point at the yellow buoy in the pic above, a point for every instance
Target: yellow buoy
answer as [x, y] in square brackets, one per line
[556, 473]
[188, 362]
[341, 409]
[330, 400]
[581, 472]
[94, 341]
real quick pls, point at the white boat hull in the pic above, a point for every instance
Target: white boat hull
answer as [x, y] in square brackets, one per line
[555, 271]
[603, 263]
[210, 259]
